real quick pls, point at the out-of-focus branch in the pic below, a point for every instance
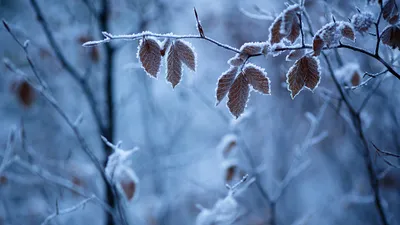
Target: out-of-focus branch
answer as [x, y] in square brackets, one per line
[67, 210]
[75, 74]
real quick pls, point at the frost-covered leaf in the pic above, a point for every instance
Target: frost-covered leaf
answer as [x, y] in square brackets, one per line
[304, 73]
[165, 45]
[275, 35]
[150, 56]
[257, 78]
[391, 36]
[362, 21]
[330, 34]
[295, 31]
[288, 18]
[286, 25]
[349, 74]
[318, 45]
[390, 11]
[127, 182]
[238, 95]
[227, 144]
[238, 59]
[227, 210]
[252, 48]
[225, 82]
[186, 53]
[347, 30]
[295, 54]
[174, 66]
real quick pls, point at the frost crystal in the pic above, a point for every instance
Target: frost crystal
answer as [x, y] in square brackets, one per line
[362, 21]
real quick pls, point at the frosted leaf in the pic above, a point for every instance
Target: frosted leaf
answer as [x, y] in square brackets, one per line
[227, 145]
[304, 73]
[174, 66]
[349, 74]
[252, 48]
[275, 35]
[362, 21]
[165, 45]
[347, 30]
[230, 167]
[390, 11]
[238, 95]
[227, 210]
[295, 54]
[273, 49]
[290, 25]
[318, 45]
[127, 182]
[206, 217]
[117, 159]
[186, 53]
[391, 36]
[150, 56]
[295, 31]
[330, 34]
[225, 82]
[238, 59]
[257, 78]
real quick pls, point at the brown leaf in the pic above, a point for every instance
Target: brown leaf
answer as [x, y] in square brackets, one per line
[347, 31]
[229, 148]
[129, 188]
[238, 95]
[355, 78]
[391, 36]
[174, 66]
[165, 45]
[295, 54]
[257, 78]
[390, 11]
[230, 173]
[362, 21]
[186, 54]
[225, 82]
[305, 72]
[150, 56]
[275, 35]
[295, 31]
[290, 26]
[25, 92]
[318, 45]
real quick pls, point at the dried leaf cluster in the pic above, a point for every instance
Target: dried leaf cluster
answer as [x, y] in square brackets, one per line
[178, 52]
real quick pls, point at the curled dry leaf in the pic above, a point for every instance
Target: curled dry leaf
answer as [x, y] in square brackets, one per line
[238, 95]
[305, 72]
[225, 82]
[355, 79]
[165, 45]
[295, 54]
[186, 53]
[391, 36]
[390, 11]
[150, 56]
[362, 21]
[257, 78]
[174, 66]
[330, 35]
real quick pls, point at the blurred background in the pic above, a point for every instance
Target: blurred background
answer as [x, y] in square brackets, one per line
[304, 157]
